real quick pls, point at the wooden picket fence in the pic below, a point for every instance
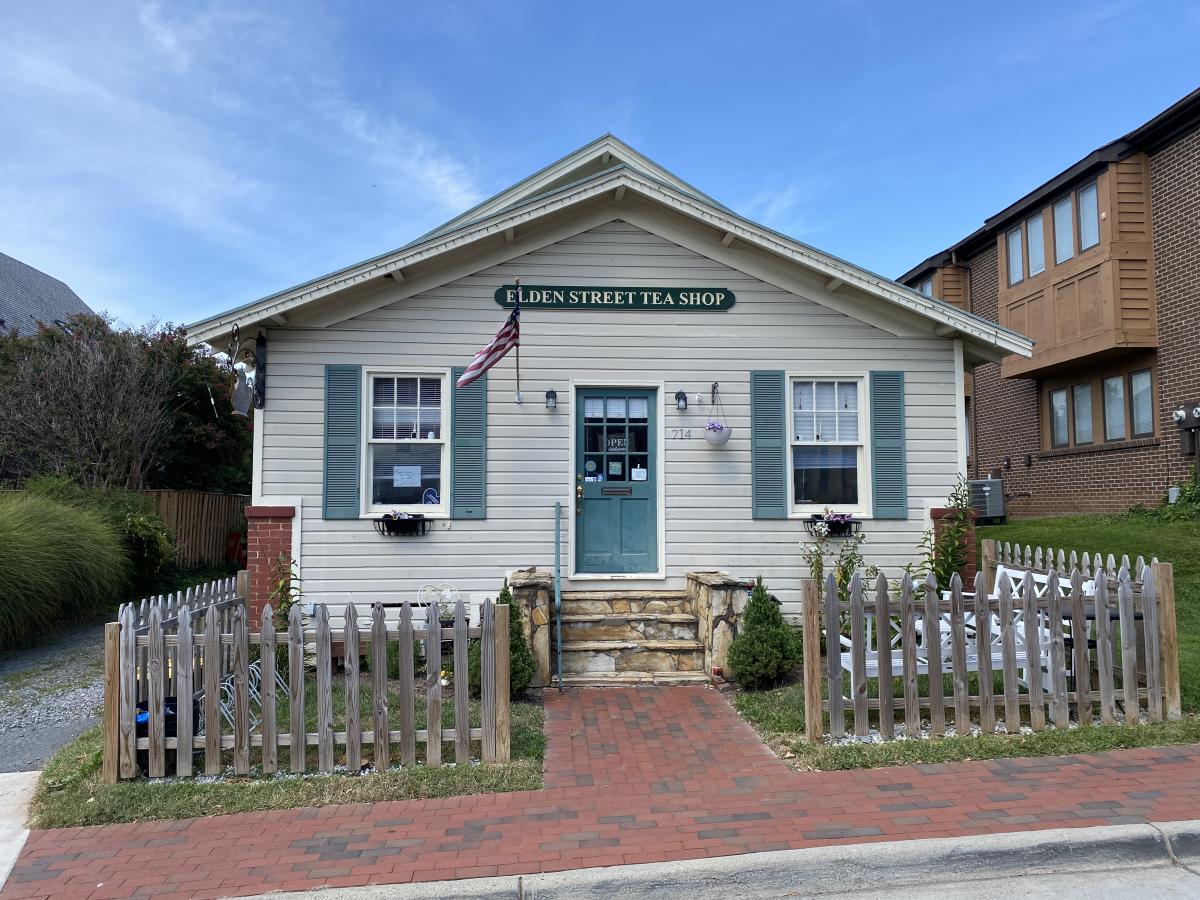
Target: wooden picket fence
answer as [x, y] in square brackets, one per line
[1041, 649]
[266, 710]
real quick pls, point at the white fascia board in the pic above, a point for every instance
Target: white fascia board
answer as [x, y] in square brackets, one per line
[968, 325]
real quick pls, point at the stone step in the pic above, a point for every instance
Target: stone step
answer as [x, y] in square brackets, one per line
[618, 601]
[635, 627]
[580, 657]
[627, 679]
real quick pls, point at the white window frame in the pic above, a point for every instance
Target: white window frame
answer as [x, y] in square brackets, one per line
[864, 508]
[431, 511]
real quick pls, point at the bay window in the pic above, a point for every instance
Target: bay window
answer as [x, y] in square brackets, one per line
[827, 443]
[406, 445]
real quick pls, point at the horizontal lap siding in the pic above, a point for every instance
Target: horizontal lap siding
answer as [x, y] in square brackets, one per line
[707, 491]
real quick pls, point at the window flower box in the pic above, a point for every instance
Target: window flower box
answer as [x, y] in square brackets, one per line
[398, 524]
[833, 524]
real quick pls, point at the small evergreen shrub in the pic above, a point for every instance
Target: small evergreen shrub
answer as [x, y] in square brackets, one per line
[58, 563]
[521, 666]
[766, 649]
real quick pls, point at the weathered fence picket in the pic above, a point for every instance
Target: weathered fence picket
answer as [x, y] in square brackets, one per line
[1049, 636]
[240, 693]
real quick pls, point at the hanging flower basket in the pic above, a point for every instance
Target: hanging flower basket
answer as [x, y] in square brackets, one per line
[717, 433]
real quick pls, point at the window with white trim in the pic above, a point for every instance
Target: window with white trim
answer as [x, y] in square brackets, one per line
[407, 461]
[827, 443]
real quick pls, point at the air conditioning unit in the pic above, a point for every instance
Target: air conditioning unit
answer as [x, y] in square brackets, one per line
[987, 499]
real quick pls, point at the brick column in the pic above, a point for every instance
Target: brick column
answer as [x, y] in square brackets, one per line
[268, 534]
[971, 553]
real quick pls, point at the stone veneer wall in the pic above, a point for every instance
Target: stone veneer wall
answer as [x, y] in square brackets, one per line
[718, 602]
[533, 592]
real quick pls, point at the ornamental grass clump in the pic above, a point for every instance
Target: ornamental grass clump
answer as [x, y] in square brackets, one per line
[58, 563]
[766, 649]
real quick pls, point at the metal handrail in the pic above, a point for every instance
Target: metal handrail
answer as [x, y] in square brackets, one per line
[558, 592]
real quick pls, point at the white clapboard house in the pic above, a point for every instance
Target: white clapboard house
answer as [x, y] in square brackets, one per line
[649, 310]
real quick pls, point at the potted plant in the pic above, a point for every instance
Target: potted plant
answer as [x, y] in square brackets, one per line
[831, 524]
[717, 433]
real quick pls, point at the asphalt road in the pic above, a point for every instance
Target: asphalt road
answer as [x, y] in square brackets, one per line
[1119, 861]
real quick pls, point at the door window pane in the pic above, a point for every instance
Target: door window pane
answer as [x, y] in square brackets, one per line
[1081, 394]
[1141, 406]
[1015, 262]
[1064, 230]
[825, 475]
[1114, 408]
[1037, 245]
[1089, 217]
[1059, 436]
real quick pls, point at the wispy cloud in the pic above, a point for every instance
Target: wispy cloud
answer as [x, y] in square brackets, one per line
[211, 131]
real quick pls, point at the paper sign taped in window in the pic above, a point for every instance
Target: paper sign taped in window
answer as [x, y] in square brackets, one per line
[406, 476]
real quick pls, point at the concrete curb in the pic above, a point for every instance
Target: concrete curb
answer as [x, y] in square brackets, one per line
[866, 867]
[16, 790]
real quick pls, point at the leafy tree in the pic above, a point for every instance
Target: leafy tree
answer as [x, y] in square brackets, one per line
[110, 407]
[766, 649]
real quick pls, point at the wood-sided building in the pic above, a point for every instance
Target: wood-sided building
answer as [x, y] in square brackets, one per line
[1100, 267]
[650, 310]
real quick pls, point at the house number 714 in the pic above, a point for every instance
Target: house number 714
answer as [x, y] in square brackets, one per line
[681, 434]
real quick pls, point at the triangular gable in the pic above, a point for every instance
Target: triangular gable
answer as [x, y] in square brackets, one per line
[606, 152]
[538, 200]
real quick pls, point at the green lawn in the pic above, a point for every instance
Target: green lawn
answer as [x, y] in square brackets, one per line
[1175, 542]
[778, 715]
[70, 792]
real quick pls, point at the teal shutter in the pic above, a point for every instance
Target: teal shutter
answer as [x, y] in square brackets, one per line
[768, 444]
[343, 430]
[889, 478]
[468, 448]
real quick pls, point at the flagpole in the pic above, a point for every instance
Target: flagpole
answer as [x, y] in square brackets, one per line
[517, 281]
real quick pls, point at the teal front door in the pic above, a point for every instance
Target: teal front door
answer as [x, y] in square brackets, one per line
[616, 481]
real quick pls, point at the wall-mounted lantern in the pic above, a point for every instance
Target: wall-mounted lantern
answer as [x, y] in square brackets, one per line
[551, 399]
[681, 400]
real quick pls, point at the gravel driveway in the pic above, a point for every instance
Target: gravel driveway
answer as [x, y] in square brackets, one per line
[49, 694]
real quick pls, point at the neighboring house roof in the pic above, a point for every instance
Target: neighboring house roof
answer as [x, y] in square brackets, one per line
[607, 168]
[1173, 122]
[29, 298]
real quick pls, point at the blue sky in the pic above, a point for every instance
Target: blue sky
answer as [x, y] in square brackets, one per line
[170, 160]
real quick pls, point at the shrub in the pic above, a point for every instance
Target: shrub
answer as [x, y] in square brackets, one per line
[766, 649]
[144, 533]
[57, 562]
[520, 658]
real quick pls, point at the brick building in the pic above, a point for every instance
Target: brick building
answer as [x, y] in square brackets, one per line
[1101, 267]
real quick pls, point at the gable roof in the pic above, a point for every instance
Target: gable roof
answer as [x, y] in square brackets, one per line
[586, 175]
[1177, 120]
[30, 297]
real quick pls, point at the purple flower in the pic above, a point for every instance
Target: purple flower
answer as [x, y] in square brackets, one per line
[714, 425]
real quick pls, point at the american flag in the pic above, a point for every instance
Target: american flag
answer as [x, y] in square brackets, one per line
[506, 338]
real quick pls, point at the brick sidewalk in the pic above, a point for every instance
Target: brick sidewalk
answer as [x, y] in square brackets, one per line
[632, 776]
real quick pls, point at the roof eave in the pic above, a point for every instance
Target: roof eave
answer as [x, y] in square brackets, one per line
[971, 327]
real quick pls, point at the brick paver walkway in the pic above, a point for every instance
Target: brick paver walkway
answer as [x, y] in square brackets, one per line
[632, 776]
